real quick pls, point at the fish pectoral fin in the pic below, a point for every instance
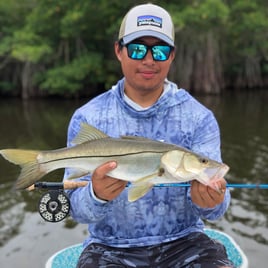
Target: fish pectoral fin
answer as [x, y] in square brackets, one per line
[140, 187]
[138, 190]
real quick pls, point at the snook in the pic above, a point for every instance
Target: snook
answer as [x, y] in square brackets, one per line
[141, 161]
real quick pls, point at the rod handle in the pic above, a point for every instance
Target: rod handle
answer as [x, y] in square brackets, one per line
[66, 185]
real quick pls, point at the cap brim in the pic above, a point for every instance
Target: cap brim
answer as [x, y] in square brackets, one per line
[130, 37]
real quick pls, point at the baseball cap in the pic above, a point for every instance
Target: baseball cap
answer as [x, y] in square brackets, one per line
[147, 20]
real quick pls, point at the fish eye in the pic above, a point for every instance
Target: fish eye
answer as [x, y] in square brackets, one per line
[203, 160]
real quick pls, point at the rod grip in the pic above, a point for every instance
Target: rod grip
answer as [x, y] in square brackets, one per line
[66, 185]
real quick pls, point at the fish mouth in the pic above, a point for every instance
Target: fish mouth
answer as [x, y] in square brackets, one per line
[222, 171]
[213, 174]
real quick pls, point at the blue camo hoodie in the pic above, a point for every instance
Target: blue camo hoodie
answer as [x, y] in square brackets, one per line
[163, 214]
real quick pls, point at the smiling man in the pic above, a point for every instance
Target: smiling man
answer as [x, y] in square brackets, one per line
[165, 227]
[145, 63]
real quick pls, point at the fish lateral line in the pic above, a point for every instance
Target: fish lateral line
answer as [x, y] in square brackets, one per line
[98, 156]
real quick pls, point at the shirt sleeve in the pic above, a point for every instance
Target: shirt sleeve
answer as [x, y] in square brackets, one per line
[207, 142]
[215, 213]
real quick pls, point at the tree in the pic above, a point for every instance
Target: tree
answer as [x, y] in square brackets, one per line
[247, 46]
[12, 16]
[65, 47]
[199, 27]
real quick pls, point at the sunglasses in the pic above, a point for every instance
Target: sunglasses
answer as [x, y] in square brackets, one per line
[139, 51]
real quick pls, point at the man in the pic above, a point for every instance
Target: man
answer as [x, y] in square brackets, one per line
[164, 228]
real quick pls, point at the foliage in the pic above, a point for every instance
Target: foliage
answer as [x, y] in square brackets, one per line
[66, 46]
[67, 78]
[247, 46]
[203, 15]
[27, 46]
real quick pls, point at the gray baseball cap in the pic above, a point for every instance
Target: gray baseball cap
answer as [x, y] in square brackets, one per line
[147, 20]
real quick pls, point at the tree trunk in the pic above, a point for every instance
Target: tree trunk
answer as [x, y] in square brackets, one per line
[207, 73]
[26, 81]
[198, 66]
[249, 75]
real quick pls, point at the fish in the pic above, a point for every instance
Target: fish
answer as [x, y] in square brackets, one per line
[140, 161]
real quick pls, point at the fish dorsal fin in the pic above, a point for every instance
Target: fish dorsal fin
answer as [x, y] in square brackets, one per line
[88, 133]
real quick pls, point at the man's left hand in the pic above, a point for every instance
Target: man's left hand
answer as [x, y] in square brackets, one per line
[205, 196]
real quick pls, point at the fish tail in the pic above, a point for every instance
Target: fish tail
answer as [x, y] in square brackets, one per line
[19, 157]
[30, 168]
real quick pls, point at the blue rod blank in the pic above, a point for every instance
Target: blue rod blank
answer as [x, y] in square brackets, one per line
[229, 185]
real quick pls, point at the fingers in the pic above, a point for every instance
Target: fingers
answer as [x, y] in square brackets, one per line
[200, 195]
[106, 187]
[219, 185]
[206, 197]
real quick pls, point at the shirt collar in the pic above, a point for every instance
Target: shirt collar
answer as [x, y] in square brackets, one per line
[139, 108]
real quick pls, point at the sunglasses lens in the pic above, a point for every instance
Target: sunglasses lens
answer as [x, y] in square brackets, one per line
[136, 51]
[161, 53]
[139, 51]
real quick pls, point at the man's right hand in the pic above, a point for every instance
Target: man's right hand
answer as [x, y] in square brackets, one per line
[105, 187]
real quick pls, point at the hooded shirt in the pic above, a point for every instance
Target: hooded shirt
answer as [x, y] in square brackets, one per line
[164, 213]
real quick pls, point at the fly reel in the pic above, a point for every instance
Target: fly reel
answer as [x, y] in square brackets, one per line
[54, 205]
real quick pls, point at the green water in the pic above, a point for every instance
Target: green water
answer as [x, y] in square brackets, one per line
[26, 241]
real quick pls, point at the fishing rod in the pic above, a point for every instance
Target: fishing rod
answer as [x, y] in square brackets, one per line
[76, 184]
[54, 205]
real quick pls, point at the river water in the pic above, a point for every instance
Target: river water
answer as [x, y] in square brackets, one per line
[26, 240]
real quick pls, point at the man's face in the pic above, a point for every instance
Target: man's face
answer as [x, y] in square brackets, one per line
[146, 74]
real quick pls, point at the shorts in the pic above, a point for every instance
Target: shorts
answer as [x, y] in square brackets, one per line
[196, 250]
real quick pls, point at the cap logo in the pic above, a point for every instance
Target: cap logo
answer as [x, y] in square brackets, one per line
[149, 20]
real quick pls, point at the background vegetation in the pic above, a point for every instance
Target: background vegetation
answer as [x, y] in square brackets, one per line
[65, 47]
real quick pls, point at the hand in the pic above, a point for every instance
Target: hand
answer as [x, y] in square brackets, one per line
[207, 197]
[106, 187]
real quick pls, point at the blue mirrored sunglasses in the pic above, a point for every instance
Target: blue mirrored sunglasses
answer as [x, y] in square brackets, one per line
[139, 51]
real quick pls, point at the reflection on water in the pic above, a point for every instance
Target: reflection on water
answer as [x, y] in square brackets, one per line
[32, 125]
[43, 124]
[244, 129]
[11, 213]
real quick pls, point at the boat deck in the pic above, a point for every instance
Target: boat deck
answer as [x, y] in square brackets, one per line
[68, 257]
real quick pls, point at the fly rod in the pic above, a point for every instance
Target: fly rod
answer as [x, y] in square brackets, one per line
[76, 184]
[228, 185]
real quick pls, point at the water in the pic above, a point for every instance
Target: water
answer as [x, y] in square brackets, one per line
[26, 240]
